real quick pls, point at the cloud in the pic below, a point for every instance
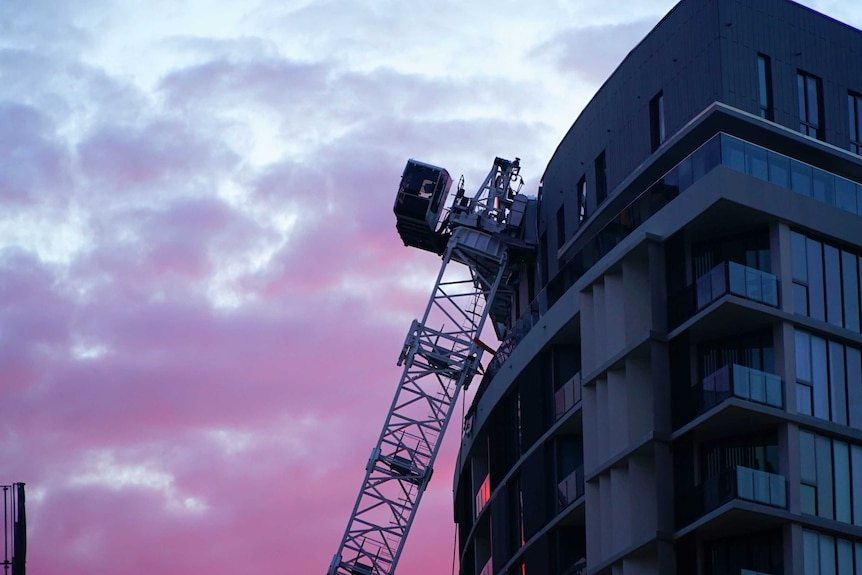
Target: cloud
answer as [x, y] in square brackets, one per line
[592, 52]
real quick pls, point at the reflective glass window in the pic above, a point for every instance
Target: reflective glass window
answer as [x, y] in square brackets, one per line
[799, 257]
[823, 450]
[856, 482]
[837, 387]
[804, 399]
[850, 287]
[827, 554]
[854, 389]
[845, 557]
[816, 306]
[803, 356]
[819, 379]
[832, 276]
[800, 299]
[764, 86]
[854, 110]
[808, 470]
[811, 552]
[841, 473]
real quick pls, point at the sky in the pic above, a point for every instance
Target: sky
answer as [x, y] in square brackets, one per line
[202, 292]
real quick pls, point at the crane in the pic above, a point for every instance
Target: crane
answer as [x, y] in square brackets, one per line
[442, 351]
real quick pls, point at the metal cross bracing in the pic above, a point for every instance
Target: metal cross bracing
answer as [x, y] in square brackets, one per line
[440, 356]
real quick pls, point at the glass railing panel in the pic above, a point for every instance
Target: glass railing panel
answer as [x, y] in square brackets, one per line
[571, 487]
[755, 162]
[824, 186]
[777, 491]
[761, 487]
[769, 289]
[774, 395]
[779, 169]
[742, 382]
[737, 279]
[800, 177]
[733, 153]
[567, 396]
[741, 387]
[845, 195]
[757, 386]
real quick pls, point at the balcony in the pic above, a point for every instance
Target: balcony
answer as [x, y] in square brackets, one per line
[735, 380]
[739, 280]
[567, 396]
[727, 278]
[570, 488]
[737, 483]
[730, 381]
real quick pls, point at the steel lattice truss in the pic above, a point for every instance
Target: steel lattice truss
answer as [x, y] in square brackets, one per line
[440, 356]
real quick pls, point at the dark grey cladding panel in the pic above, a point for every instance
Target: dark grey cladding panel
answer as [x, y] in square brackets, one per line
[703, 51]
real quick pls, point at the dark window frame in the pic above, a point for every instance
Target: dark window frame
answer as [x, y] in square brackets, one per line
[561, 226]
[854, 110]
[601, 169]
[657, 121]
[810, 87]
[764, 86]
[581, 192]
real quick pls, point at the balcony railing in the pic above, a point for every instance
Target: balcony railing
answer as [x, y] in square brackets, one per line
[570, 488]
[739, 280]
[567, 396]
[579, 567]
[737, 483]
[744, 382]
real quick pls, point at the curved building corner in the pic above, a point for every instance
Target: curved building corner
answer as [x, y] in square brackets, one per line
[680, 387]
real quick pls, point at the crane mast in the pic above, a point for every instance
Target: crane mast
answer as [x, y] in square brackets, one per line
[441, 353]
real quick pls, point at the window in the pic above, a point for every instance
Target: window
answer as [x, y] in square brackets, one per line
[854, 107]
[827, 555]
[656, 121]
[828, 380]
[830, 478]
[764, 86]
[810, 93]
[826, 282]
[582, 199]
[561, 226]
[601, 178]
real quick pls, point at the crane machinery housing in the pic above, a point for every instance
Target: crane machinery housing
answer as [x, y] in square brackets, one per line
[492, 235]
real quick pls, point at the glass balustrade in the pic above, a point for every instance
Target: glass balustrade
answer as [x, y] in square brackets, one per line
[570, 488]
[735, 380]
[736, 483]
[567, 396]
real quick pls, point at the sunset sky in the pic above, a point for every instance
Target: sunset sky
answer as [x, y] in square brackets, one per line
[202, 292]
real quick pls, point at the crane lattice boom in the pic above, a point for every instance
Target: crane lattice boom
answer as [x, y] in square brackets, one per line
[440, 354]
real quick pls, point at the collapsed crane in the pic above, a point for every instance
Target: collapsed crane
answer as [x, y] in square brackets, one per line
[442, 352]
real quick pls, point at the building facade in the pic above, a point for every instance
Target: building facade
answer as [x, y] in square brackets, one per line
[680, 390]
